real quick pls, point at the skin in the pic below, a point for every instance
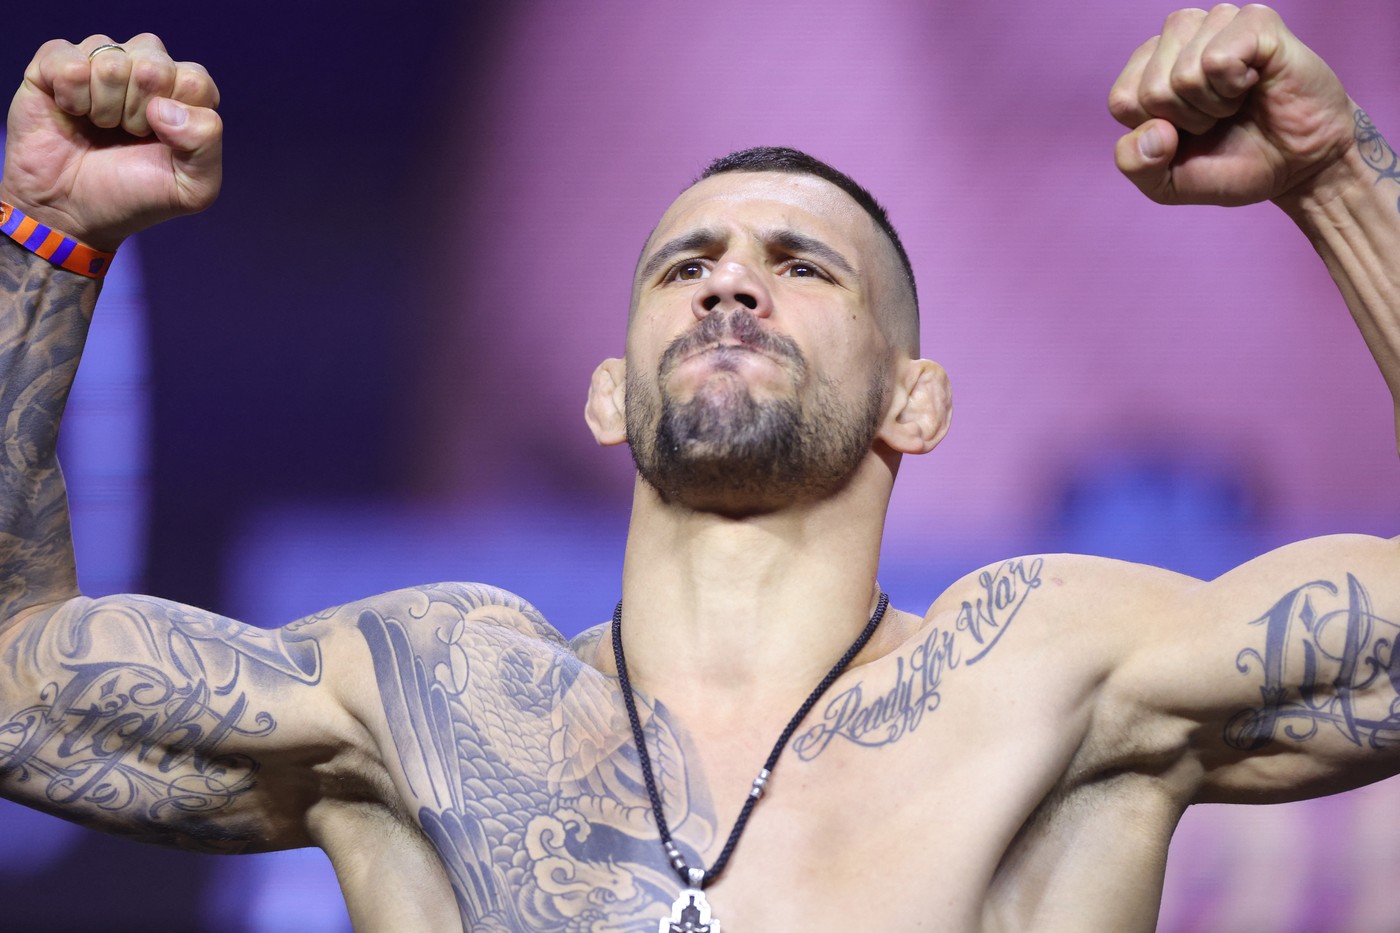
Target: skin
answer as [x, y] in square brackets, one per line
[1015, 758]
[833, 301]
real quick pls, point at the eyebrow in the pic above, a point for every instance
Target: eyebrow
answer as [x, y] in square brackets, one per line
[695, 240]
[788, 241]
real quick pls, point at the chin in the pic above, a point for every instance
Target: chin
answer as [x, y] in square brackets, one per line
[724, 451]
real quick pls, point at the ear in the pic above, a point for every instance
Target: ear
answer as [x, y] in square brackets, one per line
[920, 409]
[606, 411]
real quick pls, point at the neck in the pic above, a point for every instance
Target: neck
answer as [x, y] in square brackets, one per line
[750, 607]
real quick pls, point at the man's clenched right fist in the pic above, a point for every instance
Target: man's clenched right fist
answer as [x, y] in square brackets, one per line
[103, 142]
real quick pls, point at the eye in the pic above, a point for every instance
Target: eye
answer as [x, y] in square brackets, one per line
[801, 269]
[689, 270]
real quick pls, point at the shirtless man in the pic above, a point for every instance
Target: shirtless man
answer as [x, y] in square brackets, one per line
[1016, 758]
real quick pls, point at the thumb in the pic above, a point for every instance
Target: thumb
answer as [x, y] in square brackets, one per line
[195, 136]
[1145, 156]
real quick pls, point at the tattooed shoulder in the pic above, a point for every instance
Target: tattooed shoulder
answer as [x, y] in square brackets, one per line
[516, 761]
[585, 644]
[466, 604]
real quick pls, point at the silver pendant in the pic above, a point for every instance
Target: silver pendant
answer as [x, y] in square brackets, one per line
[690, 914]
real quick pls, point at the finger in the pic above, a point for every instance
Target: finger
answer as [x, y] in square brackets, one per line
[1159, 98]
[1123, 100]
[1145, 156]
[193, 86]
[152, 75]
[195, 136]
[1236, 56]
[109, 74]
[60, 71]
[1188, 76]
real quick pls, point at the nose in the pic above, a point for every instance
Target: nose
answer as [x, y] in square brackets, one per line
[732, 286]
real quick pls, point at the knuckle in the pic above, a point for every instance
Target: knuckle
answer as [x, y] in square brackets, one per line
[193, 85]
[1259, 16]
[1224, 9]
[186, 85]
[1185, 18]
[110, 68]
[73, 71]
[1157, 96]
[149, 75]
[1122, 104]
[1186, 79]
[1217, 61]
[54, 47]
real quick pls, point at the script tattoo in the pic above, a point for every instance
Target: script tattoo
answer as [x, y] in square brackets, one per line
[1003, 593]
[129, 732]
[1375, 151]
[888, 716]
[1328, 661]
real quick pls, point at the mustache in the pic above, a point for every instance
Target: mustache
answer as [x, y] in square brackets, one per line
[732, 327]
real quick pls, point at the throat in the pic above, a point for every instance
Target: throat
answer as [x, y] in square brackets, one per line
[698, 876]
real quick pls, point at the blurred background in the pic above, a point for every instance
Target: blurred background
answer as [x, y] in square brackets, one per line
[365, 367]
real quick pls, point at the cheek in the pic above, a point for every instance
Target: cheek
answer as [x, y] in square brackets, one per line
[852, 361]
[643, 350]
[650, 333]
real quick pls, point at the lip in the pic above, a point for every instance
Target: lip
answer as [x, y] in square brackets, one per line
[727, 359]
[724, 346]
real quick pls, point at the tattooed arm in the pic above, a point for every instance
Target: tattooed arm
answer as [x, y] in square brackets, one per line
[1280, 679]
[95, 151]
[1354, 224]
[172, 725]
[133, 714]
[1276, 681]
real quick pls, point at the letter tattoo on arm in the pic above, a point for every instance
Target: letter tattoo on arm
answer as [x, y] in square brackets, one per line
[1328, 662]
[130, 728]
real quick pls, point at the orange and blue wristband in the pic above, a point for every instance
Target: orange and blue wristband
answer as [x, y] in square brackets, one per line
[47, 243]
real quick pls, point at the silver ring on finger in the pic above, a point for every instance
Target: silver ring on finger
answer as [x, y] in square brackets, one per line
[103, 48]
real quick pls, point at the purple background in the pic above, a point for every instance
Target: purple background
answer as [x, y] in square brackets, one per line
[366, 365]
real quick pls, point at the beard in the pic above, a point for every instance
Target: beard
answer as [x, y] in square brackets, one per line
[723, 449]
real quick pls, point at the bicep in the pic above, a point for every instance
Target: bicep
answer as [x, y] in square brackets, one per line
[1285, 670]
[175, 725]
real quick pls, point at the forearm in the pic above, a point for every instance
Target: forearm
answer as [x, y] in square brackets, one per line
[1352, 218]
[44, 317]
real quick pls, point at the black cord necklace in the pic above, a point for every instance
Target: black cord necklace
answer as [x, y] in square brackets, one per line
[691, 912]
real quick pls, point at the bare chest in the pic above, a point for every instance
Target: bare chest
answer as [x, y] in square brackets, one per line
[895, 806]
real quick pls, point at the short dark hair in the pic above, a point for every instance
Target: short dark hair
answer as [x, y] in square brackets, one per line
[797, 162]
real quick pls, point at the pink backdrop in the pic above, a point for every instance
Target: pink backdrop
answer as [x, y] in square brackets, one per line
[1084, 328]
[1070, 311]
